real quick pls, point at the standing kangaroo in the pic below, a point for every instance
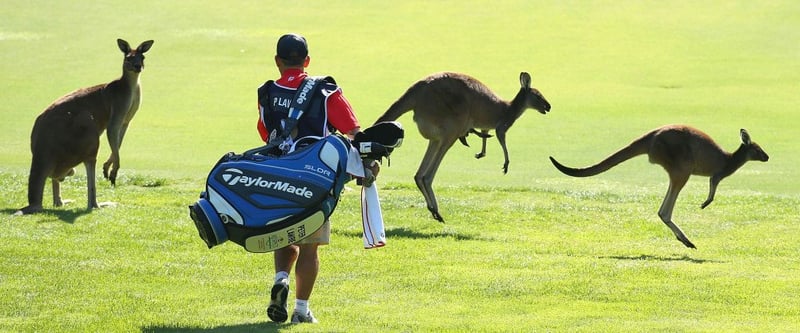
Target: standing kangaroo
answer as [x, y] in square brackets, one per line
[682, 151]
[67, 132]
[448, 106]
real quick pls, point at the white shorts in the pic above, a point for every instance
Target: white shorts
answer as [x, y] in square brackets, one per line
[322, 236]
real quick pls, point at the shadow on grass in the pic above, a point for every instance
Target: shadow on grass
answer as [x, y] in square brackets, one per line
[411, 234]
[257, 327]
[662, 258]
[67, 216]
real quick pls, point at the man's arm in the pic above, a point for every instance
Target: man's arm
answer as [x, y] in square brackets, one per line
[341, 115]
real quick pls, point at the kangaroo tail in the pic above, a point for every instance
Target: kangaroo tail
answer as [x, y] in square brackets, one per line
[638, 147]
[405, 103]
[36, 181]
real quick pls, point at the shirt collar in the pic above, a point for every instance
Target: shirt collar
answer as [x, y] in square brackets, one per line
[292, 77]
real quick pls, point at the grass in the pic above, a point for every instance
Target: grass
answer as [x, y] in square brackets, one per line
[581, 261]
[532, 250]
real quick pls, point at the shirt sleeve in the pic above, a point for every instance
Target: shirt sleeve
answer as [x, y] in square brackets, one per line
[262, 130]
[340, 113]
[261, 104]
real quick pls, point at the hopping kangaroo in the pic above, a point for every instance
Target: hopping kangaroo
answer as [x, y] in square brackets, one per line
[448, 106]
[67, 132]
[682, 151]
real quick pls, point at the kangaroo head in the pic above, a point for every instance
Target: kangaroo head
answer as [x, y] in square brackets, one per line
[533, 98]
[134, 59]
[752, 149]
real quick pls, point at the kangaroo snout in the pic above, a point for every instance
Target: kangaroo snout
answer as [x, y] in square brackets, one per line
[545, 109]
[542, 105]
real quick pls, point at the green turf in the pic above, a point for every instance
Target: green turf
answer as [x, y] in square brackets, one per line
[532, 250]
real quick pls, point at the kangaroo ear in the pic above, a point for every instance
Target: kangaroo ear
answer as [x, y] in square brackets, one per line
[525, 80]
[144, 46]
[123, 46]
[745, 136]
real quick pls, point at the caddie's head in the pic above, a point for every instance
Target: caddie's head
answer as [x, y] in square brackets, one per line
[292, 51]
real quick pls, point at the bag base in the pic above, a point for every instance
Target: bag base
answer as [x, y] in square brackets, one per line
[284, 237]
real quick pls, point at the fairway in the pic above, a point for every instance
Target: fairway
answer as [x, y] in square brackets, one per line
[529, 251]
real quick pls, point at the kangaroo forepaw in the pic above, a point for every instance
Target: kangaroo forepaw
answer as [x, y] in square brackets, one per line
[705, 204]
[111, 176]
[480, 155]
[463, 140]
[505, 168]
[436, 215]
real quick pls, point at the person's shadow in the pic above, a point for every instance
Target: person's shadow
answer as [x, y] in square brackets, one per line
[402, 232]
[254, 327]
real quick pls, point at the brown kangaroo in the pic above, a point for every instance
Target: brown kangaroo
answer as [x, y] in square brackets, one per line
[682, 151]
[448, 106]
[67, 132]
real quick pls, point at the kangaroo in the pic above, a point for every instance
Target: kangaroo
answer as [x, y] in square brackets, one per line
[447, 107]
[67, 132]
[682, 151]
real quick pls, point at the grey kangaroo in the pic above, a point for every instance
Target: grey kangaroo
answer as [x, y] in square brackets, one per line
[67, 132]
[682, 151]
[449, 106]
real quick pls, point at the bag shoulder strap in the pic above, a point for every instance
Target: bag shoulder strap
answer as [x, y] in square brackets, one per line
[299, 105]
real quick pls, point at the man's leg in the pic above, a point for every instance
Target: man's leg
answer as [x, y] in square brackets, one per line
[306, 271]
[284, 259]
[306, 275]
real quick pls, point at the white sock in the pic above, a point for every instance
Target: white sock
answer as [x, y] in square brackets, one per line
[301, 306]
[281, 275]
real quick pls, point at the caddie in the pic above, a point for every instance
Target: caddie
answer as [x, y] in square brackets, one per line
[328, 112]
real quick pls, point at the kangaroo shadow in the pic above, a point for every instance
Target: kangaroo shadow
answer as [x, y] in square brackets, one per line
[66, 216]
[403, 232]
[269, 327]
[648, 257]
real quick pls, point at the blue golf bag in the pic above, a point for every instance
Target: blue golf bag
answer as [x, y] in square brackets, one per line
[265, 202]
[270, 197]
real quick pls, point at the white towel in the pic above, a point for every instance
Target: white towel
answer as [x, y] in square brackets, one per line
[372, 218]
[355, 166]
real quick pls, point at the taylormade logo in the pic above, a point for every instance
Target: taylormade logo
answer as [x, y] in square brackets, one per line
[234, 176]
[303, 95]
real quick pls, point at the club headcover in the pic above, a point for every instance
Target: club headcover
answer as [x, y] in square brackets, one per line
[379, 140]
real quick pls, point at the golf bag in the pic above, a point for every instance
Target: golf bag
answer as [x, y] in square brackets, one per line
[275, 195]
[264, 202]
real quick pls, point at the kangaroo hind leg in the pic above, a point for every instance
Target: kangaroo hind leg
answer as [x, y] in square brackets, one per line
[676, 182]
[91, 184]
[427, 171]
